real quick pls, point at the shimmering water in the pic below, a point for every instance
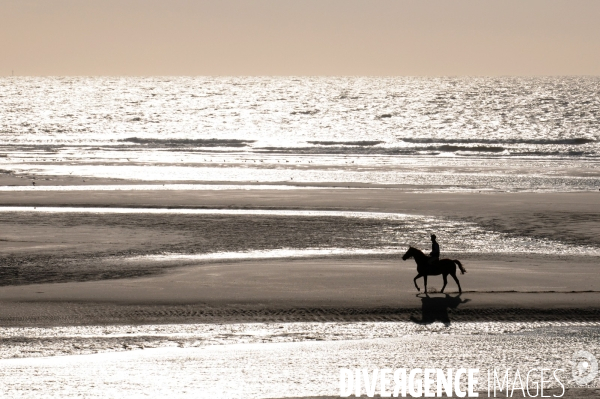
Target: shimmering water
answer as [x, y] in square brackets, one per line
[533, 134]
[270, 360]
[383, 233]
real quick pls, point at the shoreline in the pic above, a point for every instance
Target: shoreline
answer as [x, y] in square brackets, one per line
[26, 181]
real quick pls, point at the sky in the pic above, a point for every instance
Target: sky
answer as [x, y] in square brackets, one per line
[300, 37]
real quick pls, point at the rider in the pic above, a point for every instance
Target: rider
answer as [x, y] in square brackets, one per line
[434, 256]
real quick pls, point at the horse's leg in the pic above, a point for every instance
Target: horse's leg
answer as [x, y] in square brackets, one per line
[415, 281]
[445, 276]
[425, 282]
[457, 283]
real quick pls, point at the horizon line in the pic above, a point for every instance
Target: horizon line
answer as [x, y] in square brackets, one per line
[298, 76]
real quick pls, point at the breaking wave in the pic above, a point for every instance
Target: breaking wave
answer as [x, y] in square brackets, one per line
[189, 142]
[357, 143]
[422, 150]
[433, 140]
[358, 150]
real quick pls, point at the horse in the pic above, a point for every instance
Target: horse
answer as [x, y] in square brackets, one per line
[444, 267]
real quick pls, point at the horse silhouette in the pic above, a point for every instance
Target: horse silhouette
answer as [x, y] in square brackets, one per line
[444, 267]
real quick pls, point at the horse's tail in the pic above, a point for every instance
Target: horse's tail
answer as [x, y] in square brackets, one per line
[460, 266]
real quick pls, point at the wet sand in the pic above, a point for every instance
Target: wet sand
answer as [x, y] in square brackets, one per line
[352, 288]
[98, 309]
[310, 290]
[291, 369]
[570, 217]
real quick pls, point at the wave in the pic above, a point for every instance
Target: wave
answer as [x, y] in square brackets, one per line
[357, 143]
[419, 150]
[306, 112]
[189, 142]
[433, 140]
[417, 146]
[456, 148]
[377, 150]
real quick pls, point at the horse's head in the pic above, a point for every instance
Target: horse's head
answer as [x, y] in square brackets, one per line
[409, 254]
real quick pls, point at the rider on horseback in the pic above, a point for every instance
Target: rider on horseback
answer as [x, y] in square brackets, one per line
[434, 256]
[444, 267]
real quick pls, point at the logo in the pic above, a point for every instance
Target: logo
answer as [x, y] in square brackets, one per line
[585, 367]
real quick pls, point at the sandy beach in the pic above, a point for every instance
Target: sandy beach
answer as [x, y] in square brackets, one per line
[87, 265]
[120, 282]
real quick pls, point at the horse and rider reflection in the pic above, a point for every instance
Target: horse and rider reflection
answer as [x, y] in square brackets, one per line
[435, 308]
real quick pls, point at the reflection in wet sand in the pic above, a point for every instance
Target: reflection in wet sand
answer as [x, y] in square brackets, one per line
[436, 308]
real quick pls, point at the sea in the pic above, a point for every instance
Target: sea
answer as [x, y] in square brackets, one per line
[420, 134]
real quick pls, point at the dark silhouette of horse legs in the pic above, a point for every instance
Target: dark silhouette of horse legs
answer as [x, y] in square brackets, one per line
[457, 283]
[444, 276]
[415, 281]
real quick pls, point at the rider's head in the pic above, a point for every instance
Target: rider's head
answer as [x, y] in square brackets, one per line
[433, 237]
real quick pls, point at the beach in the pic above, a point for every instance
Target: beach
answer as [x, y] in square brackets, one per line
[92, 264]
[103, 269]
[243, 237]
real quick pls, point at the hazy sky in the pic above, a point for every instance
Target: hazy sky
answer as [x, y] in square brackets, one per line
[300, 37]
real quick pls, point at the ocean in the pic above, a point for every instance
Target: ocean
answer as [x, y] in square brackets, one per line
[420, 134]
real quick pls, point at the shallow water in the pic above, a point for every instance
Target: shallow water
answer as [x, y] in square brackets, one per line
[271, 360]
[69, 340]
[291, 233]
